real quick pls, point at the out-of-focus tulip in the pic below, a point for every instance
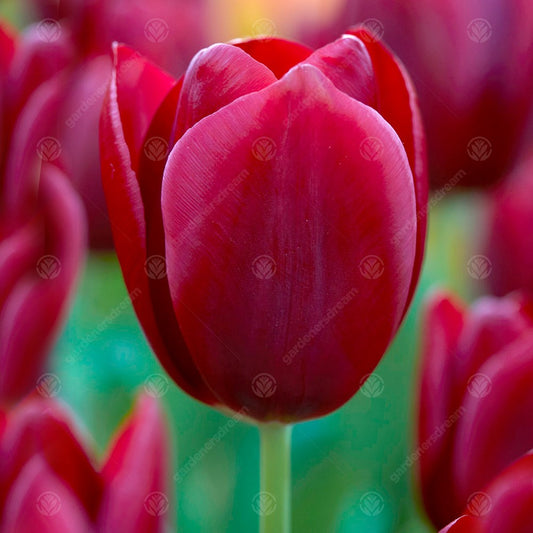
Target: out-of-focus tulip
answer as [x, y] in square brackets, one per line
[477, 377]
[269, 208]
[41, 239]
[472, 65]
[77, 36]
[511, 235]
[505, 505]
[48, 481]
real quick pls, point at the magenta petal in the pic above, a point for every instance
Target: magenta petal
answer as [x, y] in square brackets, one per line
[39, 501]
[464, 524]
[271, 187]
[35, 308]
[126, 211]
[137, 497]
[278, 55]
[215, 77]
[442, 328]
[347, 64]
[399, 107]
[491, 325]
[43, 428]
[511, 497]
[499, 409]
[140, 88]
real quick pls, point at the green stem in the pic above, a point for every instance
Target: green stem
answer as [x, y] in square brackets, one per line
[275, 511]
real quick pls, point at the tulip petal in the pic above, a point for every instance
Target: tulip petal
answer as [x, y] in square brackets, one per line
[36, 306]
[216, 76]
[464, 524]
[443, 324]
[491, 325]
[140, 89]
[347, 64]
[278, 55]
[44, 429]
[7, 48]
[499, 408]
[511, 498]
[126, 211]
[137, 474]
[39, 501]
[264, 186]
[399, 107]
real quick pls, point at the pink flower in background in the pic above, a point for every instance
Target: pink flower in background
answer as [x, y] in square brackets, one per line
[510, 246]
[270, 205]
[475, 397]
[50, 483]
[472, 64]
[77, 36]
[503, 506]
[42, 231]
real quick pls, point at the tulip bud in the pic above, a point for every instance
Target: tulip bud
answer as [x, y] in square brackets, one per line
[476, 379]
[270, 206]
[511, 239]
[504, 505]
[48, 482]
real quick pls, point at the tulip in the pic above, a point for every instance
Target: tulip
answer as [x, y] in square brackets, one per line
[48, 481]
[476, 380]
[269, 210]
[472, 65]
[505, 505]
[510, 247]
[72, 41]
[41, 239]
[265, 246]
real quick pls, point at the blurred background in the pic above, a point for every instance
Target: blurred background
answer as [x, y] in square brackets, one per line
[470, 65]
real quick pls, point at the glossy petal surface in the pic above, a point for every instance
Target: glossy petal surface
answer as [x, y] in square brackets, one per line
[229, 195]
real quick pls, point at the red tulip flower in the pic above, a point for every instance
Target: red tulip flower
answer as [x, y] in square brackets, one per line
[49, 483]
[510, 247]
[477, 377]
[472, 65]
[505, 505]
[72, 41]
[41, 235]
[269, 208]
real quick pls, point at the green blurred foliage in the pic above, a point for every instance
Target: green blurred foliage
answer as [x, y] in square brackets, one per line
[103, 359]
